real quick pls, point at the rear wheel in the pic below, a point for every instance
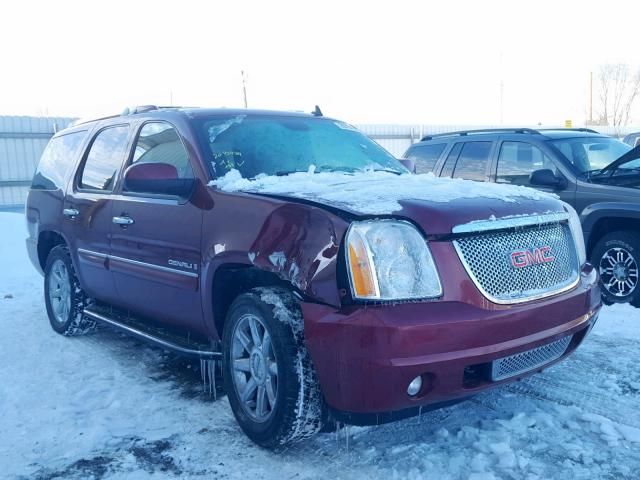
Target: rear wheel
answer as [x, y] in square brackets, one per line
[268, 375]
[617, 258]
[64, 299]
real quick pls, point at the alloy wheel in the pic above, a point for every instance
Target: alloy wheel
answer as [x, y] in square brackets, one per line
[60, 291]
[254, 367]
[619, 272]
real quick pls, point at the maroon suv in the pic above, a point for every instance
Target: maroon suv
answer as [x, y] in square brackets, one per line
[332, 284]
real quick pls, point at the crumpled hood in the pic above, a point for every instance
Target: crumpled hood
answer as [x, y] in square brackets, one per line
[436, 204]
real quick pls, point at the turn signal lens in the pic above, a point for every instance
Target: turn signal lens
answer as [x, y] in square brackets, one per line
[362, 276]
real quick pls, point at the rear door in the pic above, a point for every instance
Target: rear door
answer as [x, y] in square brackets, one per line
[87, 209]
[156, 234]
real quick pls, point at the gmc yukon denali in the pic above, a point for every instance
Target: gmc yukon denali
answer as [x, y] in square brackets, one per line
[327, 282]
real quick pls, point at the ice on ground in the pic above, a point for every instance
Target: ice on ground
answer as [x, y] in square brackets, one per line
[372, 192]
[107, 406]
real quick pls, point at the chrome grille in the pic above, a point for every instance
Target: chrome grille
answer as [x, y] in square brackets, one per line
[531, 359]
[487, 258]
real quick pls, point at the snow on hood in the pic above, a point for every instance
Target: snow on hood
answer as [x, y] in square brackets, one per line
[369, 192]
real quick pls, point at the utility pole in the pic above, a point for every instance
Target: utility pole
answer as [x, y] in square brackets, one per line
[244, 88]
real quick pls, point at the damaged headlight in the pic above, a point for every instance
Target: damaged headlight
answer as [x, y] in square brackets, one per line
[576, 231]
[390, 260]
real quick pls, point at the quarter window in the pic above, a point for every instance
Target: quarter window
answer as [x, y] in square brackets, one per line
[473, 160]
[104, 158]
[517, 160]
[57, 161]
[425, 156]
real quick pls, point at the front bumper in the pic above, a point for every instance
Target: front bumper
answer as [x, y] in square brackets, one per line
[366, 356]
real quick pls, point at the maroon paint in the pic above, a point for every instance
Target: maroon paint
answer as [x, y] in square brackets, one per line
[365, 356]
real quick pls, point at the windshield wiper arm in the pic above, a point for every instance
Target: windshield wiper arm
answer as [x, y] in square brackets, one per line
[388, 170]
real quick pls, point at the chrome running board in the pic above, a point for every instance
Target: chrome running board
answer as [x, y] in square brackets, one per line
[158, 337]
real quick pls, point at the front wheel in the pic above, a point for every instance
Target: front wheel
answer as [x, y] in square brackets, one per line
[617, 258]
[268, 375]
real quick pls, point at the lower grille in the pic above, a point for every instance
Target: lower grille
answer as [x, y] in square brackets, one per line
[531, 359]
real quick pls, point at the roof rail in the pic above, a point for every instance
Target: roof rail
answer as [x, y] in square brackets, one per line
[463, 133]
[588, 130]
[125, 112]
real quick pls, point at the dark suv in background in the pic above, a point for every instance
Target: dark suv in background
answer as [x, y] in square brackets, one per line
[598, 175]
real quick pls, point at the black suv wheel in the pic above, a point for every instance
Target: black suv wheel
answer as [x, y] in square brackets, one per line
[268, 376]
[617, 257]
[64, 299]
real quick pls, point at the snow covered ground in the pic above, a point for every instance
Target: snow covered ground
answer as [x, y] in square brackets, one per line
[108, 406]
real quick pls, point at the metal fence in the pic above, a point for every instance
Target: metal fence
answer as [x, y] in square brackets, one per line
[22, 140]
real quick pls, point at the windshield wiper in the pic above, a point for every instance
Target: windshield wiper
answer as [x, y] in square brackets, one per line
[388, 170]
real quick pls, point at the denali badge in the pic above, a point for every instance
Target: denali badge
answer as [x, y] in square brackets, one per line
[526, 258]
[178, 263]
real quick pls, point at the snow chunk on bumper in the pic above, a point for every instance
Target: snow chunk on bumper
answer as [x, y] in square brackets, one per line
[369, 192]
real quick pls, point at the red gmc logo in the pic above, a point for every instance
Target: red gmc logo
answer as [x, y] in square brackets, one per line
[526, 258]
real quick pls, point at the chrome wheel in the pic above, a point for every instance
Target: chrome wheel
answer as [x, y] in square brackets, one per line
[619, 272]
[254, 367]
[60, 291]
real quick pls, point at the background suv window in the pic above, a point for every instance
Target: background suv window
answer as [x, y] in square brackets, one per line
[473, 160]
[517, 160]
[425, 156]
[104, 158]
[447, 168]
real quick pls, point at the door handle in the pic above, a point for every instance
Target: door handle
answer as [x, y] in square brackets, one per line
[70, 212]
[123, 221]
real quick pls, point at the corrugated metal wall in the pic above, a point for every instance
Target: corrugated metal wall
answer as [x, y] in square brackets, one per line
[22, 140]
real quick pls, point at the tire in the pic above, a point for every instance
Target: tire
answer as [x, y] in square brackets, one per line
[617, 258]
[270, 319]
[64, 299]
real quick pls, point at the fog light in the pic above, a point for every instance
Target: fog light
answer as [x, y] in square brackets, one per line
[415, 386]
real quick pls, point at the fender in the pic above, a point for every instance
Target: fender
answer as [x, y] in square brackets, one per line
[296, 242]
[596, 211]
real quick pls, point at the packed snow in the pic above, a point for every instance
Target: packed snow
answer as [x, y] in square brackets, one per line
[372, 192]
[108, 406]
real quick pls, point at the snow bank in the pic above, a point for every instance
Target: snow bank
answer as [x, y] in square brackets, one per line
[372, 192]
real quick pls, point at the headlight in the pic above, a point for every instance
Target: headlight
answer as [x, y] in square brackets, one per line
[390, 260]
[576, 231]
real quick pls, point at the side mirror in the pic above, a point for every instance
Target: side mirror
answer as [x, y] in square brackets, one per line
[408, 164]
[546, 178]
[157, 179]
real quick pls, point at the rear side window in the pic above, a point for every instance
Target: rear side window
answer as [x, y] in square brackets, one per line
[425, 156]
[104, 158]
[473, 160]
[517, 160]
[57, 161]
